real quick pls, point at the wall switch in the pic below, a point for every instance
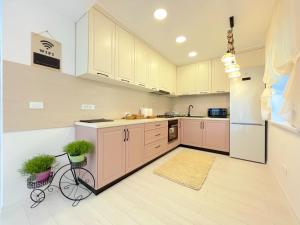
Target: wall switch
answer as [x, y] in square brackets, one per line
[88, 107]
[36, 105]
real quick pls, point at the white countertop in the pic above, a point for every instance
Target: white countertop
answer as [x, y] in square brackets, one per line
[123, 122]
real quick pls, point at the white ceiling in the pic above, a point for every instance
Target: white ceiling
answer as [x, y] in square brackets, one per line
[204, 23]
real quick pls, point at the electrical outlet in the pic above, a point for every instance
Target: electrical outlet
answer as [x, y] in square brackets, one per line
[284, 169]
[88, 107]
[36, 105]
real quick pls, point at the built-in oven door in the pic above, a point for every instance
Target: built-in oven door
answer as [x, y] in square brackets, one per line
[172, 130]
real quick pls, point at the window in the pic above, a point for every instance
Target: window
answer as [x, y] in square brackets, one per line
[278, 98]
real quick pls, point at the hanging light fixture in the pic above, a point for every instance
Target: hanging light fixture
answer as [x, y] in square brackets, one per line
[229, 60]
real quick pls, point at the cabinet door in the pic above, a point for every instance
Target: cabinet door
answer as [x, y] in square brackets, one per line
[135, 147]
[216, 135]
[152, 81]
[202, 77]
[111, 157]
[185, 79]
[219, 80]
[172, 79]
[124, 55]
[191, 132]
[101, 44]
[141, 63]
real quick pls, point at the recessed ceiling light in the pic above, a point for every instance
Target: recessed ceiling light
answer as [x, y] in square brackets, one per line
[160, 14]
[193, 54]
[180, 39]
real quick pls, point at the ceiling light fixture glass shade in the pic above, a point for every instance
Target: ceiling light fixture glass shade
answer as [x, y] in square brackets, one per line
[228, 59]
[232, 68]
[180, 39]
[160, 14]
[234, 74]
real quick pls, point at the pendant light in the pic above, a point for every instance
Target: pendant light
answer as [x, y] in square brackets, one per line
[229, 60]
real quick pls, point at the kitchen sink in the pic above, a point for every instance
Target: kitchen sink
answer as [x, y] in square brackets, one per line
[96, 120]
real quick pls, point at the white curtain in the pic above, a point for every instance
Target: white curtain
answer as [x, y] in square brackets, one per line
[283, 58]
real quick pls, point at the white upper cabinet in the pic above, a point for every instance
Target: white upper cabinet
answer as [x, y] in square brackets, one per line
[194, 79]
[219, 80]
[141, 63]
[171, 79]
[185, 79]
[153, 75]
[95, 42]
[202, 78]
[124, 55]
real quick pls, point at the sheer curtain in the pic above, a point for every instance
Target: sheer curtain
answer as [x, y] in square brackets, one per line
[283, 58]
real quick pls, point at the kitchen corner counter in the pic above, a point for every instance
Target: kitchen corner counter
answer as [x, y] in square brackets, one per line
[123, 122]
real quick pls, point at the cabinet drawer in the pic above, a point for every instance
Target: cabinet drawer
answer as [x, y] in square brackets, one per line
[156, 134]
[155, 149]
[155, 125]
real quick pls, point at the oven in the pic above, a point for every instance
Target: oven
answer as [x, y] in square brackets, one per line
[172, 130]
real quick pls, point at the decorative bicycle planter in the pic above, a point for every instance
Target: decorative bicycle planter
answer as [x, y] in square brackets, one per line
[73, 183]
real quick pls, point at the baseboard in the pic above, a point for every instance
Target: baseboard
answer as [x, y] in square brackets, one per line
[205, 149]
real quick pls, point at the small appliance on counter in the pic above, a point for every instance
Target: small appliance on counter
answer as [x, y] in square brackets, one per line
[217, 112]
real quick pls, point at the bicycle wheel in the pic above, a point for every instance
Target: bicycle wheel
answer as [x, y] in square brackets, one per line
[72, 184]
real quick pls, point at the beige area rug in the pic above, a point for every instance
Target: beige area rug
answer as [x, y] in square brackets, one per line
[188, 168]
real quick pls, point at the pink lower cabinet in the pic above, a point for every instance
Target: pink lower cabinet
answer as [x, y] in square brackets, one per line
[111, 153]
[118, 150]
[156, 140]
[135, 147]
[216, 135]
[192, 132]
[121, 150]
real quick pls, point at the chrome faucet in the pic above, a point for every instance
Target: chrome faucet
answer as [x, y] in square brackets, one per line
[189, 110]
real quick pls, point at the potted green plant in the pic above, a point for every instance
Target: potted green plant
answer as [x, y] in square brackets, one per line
[78, 149]
[38, 166]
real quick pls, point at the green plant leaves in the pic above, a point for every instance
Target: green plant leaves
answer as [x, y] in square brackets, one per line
[78, 148]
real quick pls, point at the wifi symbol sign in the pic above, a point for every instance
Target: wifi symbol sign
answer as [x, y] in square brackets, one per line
[47, 44]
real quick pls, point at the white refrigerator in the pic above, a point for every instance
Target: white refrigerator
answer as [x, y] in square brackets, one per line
[247, 128]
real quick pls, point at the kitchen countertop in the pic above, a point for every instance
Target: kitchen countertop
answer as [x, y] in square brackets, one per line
[123, 122]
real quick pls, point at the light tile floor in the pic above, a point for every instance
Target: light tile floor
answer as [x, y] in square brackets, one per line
[235, 193]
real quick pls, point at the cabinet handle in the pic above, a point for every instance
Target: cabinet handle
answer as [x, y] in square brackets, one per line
[221, 91]
[128, 135]
[102, 74]
[157, 146]
[124, 80]
[125, 135]
[157, 125]
[143, 85]
[157, 135]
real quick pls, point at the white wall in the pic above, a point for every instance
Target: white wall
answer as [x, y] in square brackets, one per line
[200, 102]
[284, 152]
[19, 146]
[23, 17]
